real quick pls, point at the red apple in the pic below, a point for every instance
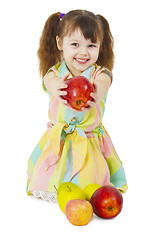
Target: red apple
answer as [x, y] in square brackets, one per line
[107, 202]
[78, 92]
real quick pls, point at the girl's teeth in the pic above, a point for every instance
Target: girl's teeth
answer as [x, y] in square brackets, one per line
[81, 60]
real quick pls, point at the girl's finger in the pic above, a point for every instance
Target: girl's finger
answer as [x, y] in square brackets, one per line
[63, 101]
[85, 109]
[62, 86]
[94, 96]
[65, 77]
[62, 93]
[90, 103]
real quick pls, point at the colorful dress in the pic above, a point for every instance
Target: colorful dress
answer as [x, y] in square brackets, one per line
[75, 148]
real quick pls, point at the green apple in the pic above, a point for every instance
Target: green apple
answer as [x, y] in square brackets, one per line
[65, 185]
[68, 191]
[90, 189]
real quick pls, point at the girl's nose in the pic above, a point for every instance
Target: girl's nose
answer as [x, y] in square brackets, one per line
[83, 51]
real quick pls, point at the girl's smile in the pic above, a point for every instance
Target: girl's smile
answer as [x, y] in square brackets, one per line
[81, 60]
[79, 53]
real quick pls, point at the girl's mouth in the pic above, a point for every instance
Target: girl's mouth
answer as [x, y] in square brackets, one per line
[81, 60]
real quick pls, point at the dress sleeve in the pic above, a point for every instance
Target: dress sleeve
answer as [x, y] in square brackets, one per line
[108, 72]
[50, 70]
[102, 69]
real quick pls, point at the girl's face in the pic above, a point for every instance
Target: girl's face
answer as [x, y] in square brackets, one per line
[79, 53]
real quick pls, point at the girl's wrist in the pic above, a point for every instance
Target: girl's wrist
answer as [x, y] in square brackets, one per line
[50, 81]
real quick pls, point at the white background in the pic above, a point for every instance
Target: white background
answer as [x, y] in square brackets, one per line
[135, 118]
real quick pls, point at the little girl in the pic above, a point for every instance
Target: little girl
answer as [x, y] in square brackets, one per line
[76, 147]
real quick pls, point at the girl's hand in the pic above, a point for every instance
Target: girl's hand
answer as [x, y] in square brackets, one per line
[59, 90]
[94, 100]
[91, 103]
[101, 84]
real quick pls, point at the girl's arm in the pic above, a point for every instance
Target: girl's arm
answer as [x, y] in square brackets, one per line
[102, 84]
[56, 85]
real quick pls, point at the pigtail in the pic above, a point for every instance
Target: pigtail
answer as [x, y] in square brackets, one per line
[106, 54]
[48, 53]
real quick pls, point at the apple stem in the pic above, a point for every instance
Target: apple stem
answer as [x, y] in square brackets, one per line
[110, 208]
[69, 188]
[79, 102]
[55, 188]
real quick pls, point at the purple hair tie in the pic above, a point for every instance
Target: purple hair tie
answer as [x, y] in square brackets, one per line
[62, 15]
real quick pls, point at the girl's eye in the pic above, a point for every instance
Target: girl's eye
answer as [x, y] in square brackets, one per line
[91, 45]
[74, 44]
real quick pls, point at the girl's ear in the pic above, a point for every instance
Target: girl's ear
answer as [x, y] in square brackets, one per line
[59, 43]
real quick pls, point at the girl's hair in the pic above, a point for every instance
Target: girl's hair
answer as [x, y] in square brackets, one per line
[93, 27]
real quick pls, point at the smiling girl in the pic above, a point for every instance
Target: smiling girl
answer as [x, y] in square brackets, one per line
[76, 147]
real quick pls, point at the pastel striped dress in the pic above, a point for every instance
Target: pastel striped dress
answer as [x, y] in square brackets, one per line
[75, 147]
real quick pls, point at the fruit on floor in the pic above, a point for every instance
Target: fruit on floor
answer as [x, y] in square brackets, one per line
[90, 189]
[79, 212]
[107, 202]
[68, 191]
